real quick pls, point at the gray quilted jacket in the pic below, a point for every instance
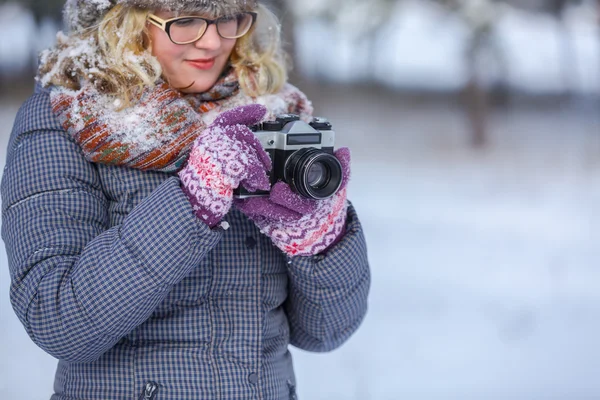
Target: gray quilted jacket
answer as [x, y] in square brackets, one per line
[112, 274]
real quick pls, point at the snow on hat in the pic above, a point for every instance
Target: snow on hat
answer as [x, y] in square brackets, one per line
[82, 14]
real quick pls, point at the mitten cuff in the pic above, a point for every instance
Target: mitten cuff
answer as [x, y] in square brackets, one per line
[336, 240]
[207, 207]
[204, 214]
[314, 233]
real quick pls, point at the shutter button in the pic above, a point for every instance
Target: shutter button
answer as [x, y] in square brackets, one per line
[253, 378]
[250, 242]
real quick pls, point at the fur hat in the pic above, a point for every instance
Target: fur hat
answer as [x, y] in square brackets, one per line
[82, 14]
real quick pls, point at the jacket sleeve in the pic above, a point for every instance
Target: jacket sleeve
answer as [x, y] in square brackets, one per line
[76, 285]
[327, 298]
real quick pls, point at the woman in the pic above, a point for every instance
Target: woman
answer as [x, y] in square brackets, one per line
[129, 260]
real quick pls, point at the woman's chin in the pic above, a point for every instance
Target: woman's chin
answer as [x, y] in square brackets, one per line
[194, 81]
[196, 87]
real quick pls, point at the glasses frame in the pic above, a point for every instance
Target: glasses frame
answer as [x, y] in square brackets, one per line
[165, 25]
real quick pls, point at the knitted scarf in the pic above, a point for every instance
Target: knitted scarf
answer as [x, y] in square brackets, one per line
[156, 133]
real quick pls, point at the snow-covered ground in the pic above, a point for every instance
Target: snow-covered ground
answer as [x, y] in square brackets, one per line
[486, 280]
[485, 263]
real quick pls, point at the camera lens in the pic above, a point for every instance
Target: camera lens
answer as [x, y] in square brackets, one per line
[313, 173]
[316, 174]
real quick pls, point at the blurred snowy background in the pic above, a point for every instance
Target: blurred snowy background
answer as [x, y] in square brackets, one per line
[475, 130]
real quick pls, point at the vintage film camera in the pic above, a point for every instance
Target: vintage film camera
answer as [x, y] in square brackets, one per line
[302, 156]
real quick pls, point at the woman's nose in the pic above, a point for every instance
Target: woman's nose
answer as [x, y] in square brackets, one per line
[210, 40]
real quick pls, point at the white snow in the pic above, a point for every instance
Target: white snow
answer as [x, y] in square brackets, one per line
[485, 263]
[485, 275]
[483, 288]
[486, 280]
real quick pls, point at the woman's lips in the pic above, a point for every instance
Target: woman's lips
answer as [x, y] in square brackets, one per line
[203, 64]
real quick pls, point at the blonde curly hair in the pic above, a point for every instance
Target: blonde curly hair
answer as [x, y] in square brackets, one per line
[115, 56]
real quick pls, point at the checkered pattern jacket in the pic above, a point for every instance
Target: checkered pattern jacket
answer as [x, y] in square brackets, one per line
[113, 275]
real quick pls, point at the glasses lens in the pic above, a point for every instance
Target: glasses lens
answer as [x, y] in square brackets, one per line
[234, 26]
[185, 30]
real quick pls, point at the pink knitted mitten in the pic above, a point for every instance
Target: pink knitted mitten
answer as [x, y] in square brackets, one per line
[224, 156]
[300, 226]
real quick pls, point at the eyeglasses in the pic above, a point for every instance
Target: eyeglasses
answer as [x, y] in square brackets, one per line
[184, 30]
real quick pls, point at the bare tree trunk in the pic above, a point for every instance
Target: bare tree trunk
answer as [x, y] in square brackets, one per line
[598, 99]
[286, 17]
[475, 95]
[288, 25]
[372, 53]
[45, 9]
[568, 56]
[477, 110]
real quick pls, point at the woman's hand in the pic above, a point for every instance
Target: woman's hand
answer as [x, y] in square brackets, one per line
[224, 156]
[297, 225]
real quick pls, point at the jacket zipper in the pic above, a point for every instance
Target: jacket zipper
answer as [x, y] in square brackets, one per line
[150, 391]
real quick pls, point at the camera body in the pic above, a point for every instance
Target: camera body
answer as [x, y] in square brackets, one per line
[301, 155]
